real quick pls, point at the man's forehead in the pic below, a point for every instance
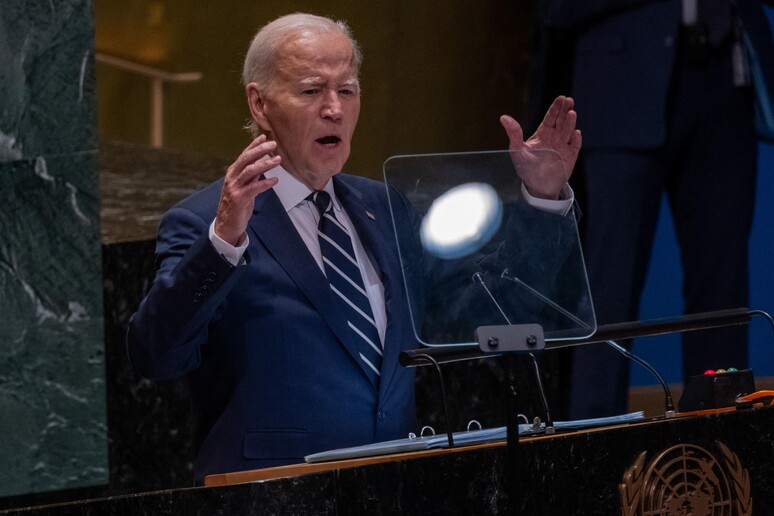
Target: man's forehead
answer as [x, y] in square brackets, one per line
[309, 45]
[347, 81]
[319, 68]
[321, 56]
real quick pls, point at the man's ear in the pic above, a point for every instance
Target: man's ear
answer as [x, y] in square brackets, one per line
[256, 100]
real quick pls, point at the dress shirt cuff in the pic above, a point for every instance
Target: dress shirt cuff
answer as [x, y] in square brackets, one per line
[562, 206]
[233, 255]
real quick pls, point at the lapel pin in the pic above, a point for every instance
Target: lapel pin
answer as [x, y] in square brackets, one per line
[370, 215]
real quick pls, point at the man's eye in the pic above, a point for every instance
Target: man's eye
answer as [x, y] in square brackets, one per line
[346, 91]
[311, 91]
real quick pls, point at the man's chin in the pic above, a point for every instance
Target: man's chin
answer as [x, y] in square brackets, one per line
[329, 168]
[317, 179]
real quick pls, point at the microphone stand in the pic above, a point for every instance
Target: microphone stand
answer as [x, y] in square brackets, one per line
[449, 433]
[669, 406]
[549, 423]
[512, 437]
[513, 339]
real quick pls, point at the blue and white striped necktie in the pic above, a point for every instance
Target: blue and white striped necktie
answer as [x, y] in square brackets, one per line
[346, 282]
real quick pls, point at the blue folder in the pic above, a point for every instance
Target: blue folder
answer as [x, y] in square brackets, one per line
[470, 437]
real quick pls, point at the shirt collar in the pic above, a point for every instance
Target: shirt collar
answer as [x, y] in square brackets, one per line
[292, 192]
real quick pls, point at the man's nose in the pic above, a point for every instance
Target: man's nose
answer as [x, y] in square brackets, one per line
[332, 105]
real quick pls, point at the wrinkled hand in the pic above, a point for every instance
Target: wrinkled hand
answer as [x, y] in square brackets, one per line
[242, 183]
[544, 173]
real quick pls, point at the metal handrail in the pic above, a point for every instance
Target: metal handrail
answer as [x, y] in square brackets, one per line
[158, 78]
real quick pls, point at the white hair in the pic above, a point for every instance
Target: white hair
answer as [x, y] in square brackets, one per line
[261, 61]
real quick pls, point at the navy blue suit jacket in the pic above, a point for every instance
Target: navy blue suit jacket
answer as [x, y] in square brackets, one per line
[262, 343]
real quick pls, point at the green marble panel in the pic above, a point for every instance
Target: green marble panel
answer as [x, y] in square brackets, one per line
[46, 78]
[53, 432]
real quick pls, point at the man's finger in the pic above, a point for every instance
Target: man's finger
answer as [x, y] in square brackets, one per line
[568, 126]
[256, 169]
[251, 155]
[514, 131]
[549, 120]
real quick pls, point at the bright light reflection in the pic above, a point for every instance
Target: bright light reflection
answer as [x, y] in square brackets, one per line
[461, 220]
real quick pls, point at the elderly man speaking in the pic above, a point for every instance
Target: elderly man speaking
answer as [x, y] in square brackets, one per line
[279, 291]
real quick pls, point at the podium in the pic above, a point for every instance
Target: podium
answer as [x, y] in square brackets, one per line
[723, 462]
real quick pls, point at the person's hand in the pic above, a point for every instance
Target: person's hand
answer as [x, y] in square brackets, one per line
[244, 180]
[544, 173]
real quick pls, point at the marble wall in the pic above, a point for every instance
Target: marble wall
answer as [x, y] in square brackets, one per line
[150, 436]
[52, 371]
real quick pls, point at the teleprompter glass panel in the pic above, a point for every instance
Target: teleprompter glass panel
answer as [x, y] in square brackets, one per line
[475, 251]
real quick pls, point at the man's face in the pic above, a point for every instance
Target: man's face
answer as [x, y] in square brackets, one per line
[312, 107]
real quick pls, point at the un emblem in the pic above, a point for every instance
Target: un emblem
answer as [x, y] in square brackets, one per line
[687, 480]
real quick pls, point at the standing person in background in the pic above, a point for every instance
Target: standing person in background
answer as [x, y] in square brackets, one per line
[667, 108]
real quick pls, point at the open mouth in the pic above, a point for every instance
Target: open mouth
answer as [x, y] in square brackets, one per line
[328, 140]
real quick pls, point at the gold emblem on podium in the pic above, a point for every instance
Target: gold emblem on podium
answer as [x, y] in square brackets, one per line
[687, 479]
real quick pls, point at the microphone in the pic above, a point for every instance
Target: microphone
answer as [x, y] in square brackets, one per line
[549, 427]
[550, 302]
[669, 406]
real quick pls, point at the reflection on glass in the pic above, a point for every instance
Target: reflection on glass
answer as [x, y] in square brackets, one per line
[461, 221]
[474, 252]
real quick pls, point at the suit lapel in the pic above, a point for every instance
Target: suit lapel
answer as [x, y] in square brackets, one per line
[271, 225]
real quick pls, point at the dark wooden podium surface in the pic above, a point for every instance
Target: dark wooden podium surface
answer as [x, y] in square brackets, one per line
[254, 475]
[611, 470]
[239, 477]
